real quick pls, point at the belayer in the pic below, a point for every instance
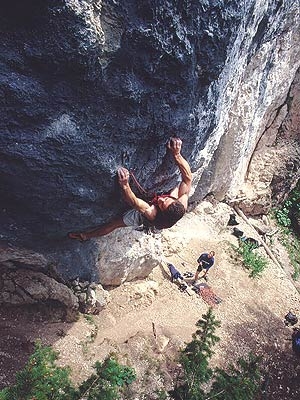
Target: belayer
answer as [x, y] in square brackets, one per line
[205, 262]
[161, 213]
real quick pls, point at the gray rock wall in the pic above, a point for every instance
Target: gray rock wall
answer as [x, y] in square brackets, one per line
[84, 81]
[253, 88]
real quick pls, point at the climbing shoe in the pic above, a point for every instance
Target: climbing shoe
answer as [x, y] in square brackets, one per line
[188, 274]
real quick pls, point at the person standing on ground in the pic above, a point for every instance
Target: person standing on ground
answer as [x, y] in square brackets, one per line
[205, 262]
[162, 213]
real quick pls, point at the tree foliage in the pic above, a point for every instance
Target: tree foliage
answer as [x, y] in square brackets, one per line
[240, 382]
[288, 217]
[107, 381]
[290, 207]
[194, 359]
[253, 261]
[42, 379]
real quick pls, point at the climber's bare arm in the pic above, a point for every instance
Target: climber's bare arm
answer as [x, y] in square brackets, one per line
[174, 145]
[135, 202]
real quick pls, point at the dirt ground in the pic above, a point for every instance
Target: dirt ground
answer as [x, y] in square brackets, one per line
[147, 321]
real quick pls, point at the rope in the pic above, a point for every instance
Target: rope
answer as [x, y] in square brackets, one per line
[151, 197]
[188, 262]
[138, 185]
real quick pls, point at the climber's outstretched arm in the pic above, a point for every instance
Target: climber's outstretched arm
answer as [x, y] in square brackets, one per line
[135, 202]
[174, 145]
[140, 205]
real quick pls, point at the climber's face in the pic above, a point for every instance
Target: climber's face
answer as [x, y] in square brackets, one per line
[164, 202]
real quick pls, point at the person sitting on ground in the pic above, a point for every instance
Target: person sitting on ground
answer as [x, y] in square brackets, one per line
[163, 213]
[205, 262]
[175, 274]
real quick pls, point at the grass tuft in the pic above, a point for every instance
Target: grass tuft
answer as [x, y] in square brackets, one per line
[253, 261]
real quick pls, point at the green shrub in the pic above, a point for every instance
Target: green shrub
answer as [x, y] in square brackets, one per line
[283, 215]
[41, 379]
[289, 207]
[241, 382]
[251, 260]
[194, 359]
[107, 382]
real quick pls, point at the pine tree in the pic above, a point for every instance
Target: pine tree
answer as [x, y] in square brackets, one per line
[194, 359]
[241, 382]
[41, 379]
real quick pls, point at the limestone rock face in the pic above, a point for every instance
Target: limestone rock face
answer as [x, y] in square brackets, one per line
[124, 256]
[27, 287]
[274, 168]
[255, 97]
[84, 82]
[27, 278]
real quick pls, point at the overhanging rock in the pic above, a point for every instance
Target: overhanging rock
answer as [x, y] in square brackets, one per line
[83, 82]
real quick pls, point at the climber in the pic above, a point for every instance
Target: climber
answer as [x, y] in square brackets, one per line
[205, 262]
[163, 212]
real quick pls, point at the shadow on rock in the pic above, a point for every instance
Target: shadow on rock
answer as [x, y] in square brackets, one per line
[281, 366]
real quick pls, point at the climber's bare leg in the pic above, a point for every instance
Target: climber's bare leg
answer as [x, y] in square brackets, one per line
[106, 228]
[101, 230]
[77, 235]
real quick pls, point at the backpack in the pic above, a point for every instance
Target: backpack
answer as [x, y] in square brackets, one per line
[290, 319]
[237, 232]
[253, 243]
